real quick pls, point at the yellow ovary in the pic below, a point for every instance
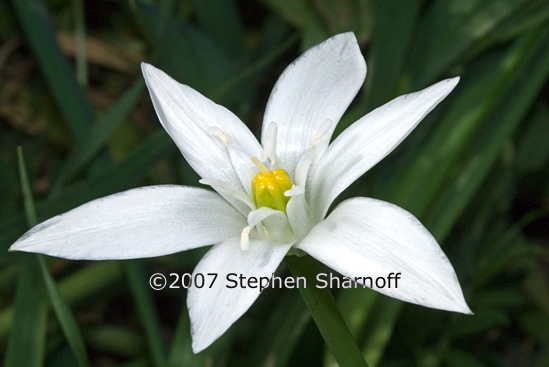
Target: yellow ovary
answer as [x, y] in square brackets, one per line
[268, 188]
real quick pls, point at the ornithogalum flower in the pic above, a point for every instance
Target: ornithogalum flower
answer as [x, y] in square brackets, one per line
[270, 199]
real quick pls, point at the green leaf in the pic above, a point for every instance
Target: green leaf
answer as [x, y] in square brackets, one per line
[282, 332]
[146, 310]
[99, 133]
[77, 288]
[27, 339]
[532, 15]
[26, 344]
[318, 20]
[457, 358]
[181, 353]
[475, 98]
[71, 99]
[449, 29]
[222, 21]
[65, 317]
[388, 50]
[502, 119]
[115, 340]
[532, 152]
[81, 59]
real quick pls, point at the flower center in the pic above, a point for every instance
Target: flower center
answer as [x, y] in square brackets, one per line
[268, 187]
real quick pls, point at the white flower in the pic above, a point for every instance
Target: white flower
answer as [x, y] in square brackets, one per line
[256, 216]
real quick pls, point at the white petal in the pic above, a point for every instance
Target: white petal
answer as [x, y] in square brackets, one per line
[371, 238]
[195, 123]
[143, 222]
[214, 309]
[368, 141]
[318, 86]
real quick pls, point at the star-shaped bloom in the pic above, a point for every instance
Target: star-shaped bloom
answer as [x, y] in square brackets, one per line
[270, 199]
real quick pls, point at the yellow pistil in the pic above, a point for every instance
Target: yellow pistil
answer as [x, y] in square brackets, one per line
[268, 187]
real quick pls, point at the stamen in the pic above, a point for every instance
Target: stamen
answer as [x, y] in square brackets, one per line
[243, 166]
[214, 131]
[319, 142]
[260, 165]
[303, 166]
[260, 214]
[245, 239]
[324, 128]
[270, 142]
[299, 216]
[229, 189]
[270, 224]
[295, 191]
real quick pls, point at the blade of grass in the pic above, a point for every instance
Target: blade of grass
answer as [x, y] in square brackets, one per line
[28, 202]
[388, 50]
[222, 21]
[281, 334]
[80, 39]
[449, 28]
[206, 63]
[154, 19]
[100, 132]
[64, 316]
[71, 99]
[27, 340]
[181, 353]
[146, 310]
[488, 83]
[302, 15]
[108, 338]
[80, 286]
[253, 69]
[502, 121]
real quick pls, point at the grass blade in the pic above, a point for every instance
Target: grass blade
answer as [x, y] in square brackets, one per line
[388, 51]
[146, 310]
[71, 99]
[27, 340]
[101, 131]
[64, 316]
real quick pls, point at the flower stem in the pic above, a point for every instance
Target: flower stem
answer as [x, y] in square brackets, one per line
[325, 313]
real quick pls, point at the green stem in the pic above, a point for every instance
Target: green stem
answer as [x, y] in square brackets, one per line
[324, 310]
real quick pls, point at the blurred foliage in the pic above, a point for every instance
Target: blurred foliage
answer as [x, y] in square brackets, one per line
[476, 172]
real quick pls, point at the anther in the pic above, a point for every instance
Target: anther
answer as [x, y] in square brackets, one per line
[270, 142]
[245, 239]
[321, 131]
[214, 131]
